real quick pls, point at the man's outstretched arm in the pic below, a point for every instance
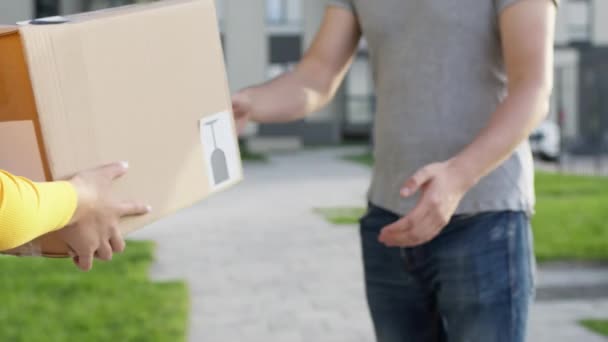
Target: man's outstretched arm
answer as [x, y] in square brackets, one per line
[312, 83]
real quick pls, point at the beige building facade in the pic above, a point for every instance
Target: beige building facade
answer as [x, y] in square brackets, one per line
[263, 38]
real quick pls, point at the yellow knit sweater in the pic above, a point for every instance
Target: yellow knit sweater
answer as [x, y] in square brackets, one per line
[29, 210]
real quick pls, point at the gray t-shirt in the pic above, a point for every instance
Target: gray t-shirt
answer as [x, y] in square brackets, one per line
[439, 75]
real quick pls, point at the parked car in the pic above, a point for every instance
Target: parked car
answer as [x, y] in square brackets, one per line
[545, 141]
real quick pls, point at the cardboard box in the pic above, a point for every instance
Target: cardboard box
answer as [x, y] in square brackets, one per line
[143, 83]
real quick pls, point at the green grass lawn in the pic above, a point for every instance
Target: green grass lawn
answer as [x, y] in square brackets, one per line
[341, 216]
[600, 327]
[249, 156]
[572, 217]
[571, 222]
[365, 159]
[50, 300]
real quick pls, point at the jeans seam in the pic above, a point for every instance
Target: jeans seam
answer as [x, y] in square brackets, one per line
[532, 273]
[512, 291]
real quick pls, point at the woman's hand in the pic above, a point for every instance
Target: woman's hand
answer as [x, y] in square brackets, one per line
[93, 231]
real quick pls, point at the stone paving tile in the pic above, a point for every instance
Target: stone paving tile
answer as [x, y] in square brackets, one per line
[262, 267]
[558, 321]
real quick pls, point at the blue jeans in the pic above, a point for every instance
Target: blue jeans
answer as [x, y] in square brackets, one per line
[472, 283]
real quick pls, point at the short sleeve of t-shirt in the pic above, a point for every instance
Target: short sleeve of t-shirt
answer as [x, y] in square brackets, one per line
[502, 4]
[348, 4]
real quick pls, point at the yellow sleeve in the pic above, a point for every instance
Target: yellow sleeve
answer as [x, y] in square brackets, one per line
[29, 210]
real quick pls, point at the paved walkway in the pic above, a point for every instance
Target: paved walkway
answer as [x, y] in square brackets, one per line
[574, 164]
[262, 267]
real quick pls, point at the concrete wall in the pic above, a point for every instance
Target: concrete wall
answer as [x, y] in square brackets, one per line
[245, 41]
[246, 37]
[565, 94]
[12, 11]
[245, 44]
[71, 6]
[561, 28]
[600, 22]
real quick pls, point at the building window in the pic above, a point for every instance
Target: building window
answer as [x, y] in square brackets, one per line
[284, 52]
[578, 16]
[276, 70]
[47, 8]
[91, 5]
[283, 12]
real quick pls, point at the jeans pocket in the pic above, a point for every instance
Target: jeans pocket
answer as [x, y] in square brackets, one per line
[376, 218]
[482, 258]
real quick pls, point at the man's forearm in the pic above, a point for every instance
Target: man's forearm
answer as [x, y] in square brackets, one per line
[514, 120]
[292, 95]
[282, 99]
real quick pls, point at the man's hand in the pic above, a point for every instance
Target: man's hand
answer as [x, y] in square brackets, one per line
[93, 231]
[242, 108]
[442, 186]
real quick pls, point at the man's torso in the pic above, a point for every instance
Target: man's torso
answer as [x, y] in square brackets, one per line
[439, 75]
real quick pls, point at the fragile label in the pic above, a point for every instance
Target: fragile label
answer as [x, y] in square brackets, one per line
[220, 150]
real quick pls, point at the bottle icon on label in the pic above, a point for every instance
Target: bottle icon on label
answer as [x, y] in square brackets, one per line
[219, 164]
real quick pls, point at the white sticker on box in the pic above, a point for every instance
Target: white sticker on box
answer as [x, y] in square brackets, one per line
[220, 149]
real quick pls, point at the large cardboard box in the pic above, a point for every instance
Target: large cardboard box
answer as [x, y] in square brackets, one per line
[144, 84]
